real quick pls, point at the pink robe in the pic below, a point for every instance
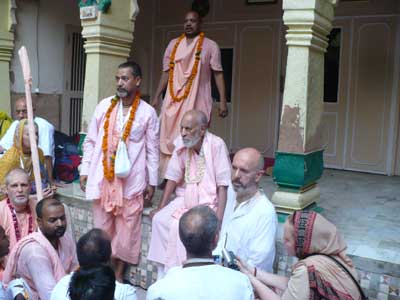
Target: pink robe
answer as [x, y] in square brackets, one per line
[118, 205]
[165, 246]
[6, 222]
[200, 93]
[142, 143]
[39, 264]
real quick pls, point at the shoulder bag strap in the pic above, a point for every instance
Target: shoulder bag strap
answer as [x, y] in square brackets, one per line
[363, 297]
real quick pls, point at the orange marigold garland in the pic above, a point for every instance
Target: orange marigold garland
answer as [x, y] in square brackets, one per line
[193, 74]
[109, 170]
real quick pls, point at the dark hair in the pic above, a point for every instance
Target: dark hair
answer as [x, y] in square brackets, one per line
[46, 201]
[202, 7]
[92, 284]
[135, 68]
[93, 248]
[197, 230]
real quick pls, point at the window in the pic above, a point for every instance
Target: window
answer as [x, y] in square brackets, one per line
[227, 61]
[331, 73]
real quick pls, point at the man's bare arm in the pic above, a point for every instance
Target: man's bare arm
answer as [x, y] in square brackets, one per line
[220, 82]
[168, 190]
[162, 85]
[221, 198]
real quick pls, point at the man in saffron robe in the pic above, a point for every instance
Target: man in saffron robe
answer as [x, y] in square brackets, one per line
[17, 215]
[180, 78]
[199, 174]
[118, 202]
[42, 258]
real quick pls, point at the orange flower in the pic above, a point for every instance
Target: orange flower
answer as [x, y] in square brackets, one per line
[108, 171]
[193, 73]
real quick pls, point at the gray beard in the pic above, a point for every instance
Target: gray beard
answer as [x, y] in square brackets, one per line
[122, 94]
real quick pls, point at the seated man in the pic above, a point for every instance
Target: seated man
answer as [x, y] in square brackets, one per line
[93, 250]
[250, 224]
[17, 215]
[46, 135]
[17, 288]
[199, 173]
[93, 284]
[43, 258]
[199, 277]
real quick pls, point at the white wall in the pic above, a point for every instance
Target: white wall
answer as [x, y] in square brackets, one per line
[41, 29]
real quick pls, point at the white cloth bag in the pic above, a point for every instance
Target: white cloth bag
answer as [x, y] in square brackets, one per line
[123, 165]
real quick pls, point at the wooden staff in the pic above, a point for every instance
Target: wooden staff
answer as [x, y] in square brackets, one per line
[26, 70]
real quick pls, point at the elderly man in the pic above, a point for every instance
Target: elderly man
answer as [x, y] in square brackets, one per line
[250, 223]
[189, 61]
[93, 250]
[46, 135]
[121, 122]
[17, 215]
[199, 173]
[199, 277]
[44, 257]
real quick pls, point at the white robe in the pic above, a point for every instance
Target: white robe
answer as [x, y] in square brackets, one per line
[211, 282]
[122, 291]
[46, 136]
[250, 230]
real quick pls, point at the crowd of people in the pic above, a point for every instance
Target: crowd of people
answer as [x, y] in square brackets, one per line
[213, 231]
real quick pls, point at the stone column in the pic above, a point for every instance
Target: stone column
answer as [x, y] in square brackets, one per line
[108, 43]
[7, 22]
[299, 159]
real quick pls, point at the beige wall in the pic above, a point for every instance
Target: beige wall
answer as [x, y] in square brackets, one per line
[41, 29]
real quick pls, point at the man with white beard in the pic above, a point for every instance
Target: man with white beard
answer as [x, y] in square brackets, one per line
[199, 173]
[17, 211]
[250, 224]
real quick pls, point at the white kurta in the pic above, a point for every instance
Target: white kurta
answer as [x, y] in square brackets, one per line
[122, 291]
[211, 282]
[46, 136]
[250, 230]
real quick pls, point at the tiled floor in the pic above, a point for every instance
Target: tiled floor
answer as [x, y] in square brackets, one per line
[365, 208]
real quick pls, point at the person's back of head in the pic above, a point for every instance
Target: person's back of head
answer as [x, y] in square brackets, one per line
[93, 248]
[96, 283]
[198, 230]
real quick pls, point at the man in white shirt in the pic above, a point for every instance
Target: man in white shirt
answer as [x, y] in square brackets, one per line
[199, 277]
[250, 222]
[46, 134]
[93, 250]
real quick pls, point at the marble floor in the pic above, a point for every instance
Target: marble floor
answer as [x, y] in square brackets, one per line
[365, 208]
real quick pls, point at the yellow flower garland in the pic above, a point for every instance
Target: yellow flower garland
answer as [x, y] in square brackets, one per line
[193, 74]
[109, 170]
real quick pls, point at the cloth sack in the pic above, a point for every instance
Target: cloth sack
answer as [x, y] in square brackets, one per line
[122, 165]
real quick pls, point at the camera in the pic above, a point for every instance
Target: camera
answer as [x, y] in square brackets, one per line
[229, 260]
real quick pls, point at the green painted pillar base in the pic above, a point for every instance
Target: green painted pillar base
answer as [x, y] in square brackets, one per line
[296, 175]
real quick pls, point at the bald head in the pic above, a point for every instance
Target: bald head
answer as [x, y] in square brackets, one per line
[252, 157]
[197, 116]
[17, 172]
[198, 229]
[247, 169]
[193, 128]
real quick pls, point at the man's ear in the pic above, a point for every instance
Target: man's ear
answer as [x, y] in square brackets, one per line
[215, 241]
[3, 189]
[39, 222]
[259, 174]
[138, 81]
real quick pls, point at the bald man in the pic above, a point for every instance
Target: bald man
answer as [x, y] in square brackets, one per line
[46, 134]
[199, 173]
[250, 224]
